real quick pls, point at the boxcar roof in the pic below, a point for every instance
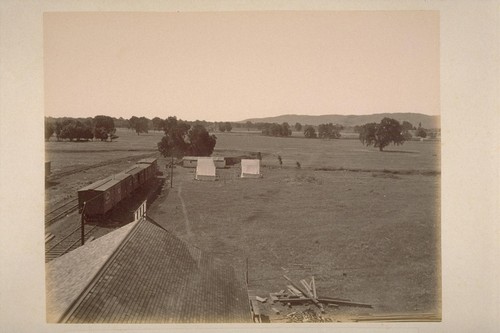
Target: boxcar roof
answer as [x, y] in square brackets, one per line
[151, 277]
[107, 185]
[136, 169]
[122, 176]
[94, 185]
[147, 160]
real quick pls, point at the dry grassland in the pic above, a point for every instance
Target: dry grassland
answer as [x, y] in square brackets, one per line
[368, 229]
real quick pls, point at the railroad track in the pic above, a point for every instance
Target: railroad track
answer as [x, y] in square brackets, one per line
[60, 211]
[56, 248]
[55, 176]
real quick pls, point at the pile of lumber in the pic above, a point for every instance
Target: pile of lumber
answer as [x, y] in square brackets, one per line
[306, 293]
[306, 316]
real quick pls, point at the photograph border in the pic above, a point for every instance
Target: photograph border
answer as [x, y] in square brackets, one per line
[470, 186]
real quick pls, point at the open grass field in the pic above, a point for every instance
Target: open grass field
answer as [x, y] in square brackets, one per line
[364, 223]
[349, 154]
[76, 164]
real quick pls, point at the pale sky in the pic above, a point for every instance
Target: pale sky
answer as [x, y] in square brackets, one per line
[232, 66]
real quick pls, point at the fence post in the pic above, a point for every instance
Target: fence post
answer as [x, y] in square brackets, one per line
[82, 221]
[247, 272]
[172, 172]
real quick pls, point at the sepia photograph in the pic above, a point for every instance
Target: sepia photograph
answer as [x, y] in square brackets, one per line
[237, 167]
[249, 166]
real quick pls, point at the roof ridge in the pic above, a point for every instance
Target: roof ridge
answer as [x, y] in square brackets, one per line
[74, 305]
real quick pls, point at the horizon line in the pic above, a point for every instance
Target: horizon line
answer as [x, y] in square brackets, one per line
[246, 119]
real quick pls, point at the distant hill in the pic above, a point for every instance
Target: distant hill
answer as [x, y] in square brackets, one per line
[352, 120]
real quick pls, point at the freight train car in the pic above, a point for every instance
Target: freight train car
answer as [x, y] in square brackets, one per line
[104, 195]
[100, 197]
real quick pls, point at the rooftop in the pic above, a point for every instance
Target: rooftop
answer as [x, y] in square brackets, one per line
[142, 273]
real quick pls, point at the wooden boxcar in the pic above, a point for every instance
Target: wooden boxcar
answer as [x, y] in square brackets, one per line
[126, 183]
[100, 197]
[152, 167]
[103, 195]
[151, 161]
[135, 173]
[87, 193]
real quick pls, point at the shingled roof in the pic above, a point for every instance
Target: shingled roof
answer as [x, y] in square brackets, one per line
[149, 276]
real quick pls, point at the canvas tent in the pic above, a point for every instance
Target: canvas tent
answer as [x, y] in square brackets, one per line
[250, 169]
[205, 169]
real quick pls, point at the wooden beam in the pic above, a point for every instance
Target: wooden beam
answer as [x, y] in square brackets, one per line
[346, 303]
[255, 311]
[49, 237]
[319, 305]
[303, 300]
[294, 291]
[313, 284]
[273, 297]
[307, 287]
[324, 300]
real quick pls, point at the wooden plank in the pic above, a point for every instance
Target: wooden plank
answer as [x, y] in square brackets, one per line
[335, 298]
[261, 299]
[303, 300]
[49, 238]
[401, 314]
[255, 311]
[294, 291]
[275, 310]
[318, 304]
[307, 287]
[313, 284]
[295, 300]
[273, 297]
[255, 307]
[362, 305]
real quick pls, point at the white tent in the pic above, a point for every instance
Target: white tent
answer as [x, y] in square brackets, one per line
[205, 169]
[250, 169]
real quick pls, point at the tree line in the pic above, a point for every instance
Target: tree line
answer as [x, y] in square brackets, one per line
[191, 137]
[388, 131]
[99, 128]
[325, 131]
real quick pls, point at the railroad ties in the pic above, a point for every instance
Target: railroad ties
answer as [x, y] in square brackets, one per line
[60, 212]
[55, 248]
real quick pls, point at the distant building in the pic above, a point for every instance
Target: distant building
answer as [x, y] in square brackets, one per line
[192, 161]
[142, 273]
